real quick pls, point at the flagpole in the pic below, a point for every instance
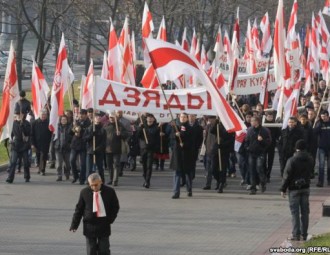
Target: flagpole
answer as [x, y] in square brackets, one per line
[218, 141]
[323, 97]
[168, 106]
[143, 129]
[94, 109]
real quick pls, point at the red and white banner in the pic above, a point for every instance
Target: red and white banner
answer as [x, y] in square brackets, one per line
[110, 95]
[39, 90]
[10, 95]
[261, 64]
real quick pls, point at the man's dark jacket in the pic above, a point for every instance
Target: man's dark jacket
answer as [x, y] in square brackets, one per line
[41, 135]
[96, 226]
[299, 166]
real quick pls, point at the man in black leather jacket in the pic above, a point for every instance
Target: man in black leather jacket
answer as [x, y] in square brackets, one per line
[296, 179]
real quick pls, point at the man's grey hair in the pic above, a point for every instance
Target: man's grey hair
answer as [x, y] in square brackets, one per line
[94, 177]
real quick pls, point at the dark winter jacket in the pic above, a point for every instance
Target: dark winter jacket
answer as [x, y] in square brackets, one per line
[322, 131]
[100, 139]
[227, 140]
[288, 141]
[298, 171]
[41, 135]
[114, 141]
[65, 132]
[26, 106]
[182, 157]
[96, 226]
[252, 145]
[197, 138]
[152, 133]
[78, 143]
[20, 135]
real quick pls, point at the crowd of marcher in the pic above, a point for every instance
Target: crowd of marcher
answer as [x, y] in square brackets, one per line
[87, 141]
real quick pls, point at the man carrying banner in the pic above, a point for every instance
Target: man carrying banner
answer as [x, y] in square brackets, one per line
[149, 141]
[182, 156]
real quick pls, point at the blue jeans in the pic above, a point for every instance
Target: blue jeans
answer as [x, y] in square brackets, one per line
[243, 164]
[209, 170]
[73, 163]
[177, 182]
[257, 169]
[323, 154]
[99, 158]
[14, 156]
[299, 207]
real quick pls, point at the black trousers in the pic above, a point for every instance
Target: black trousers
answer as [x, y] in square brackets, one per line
[147, 160]
[98, 245]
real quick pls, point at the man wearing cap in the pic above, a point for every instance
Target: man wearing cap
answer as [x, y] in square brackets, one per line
[21, 143]
[98, 205]
[78, 147]
[296, 179]
[40, 139]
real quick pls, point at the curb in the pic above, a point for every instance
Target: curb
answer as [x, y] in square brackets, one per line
[3, 167]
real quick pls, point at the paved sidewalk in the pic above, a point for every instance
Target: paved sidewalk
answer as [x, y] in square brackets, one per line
[35, 217]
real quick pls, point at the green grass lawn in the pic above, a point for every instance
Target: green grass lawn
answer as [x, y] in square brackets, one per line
[3, 152]
[320, 241]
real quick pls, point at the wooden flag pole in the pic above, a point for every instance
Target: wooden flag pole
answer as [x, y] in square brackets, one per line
[218, 141]
[143, 129]
[323, 97]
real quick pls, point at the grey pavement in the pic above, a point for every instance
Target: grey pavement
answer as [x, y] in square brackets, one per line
[35, 217]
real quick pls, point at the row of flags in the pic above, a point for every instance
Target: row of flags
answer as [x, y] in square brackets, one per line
[186, 66]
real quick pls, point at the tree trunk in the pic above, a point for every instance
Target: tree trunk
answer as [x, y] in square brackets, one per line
[88, 47]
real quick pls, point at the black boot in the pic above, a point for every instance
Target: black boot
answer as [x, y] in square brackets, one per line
[221, 186]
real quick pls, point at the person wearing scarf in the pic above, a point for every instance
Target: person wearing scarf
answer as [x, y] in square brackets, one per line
[98, 205]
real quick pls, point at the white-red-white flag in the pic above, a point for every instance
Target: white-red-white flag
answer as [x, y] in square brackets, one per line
[147, 29]
[114, 56]
[10, 95]
[267, 41]
[250, 51]
[184, 43]
[105, 67]
[239, 139]
[162, 34]
[227, 44]
[255, 39]
[193, 43]
[291, 106]
[263, 96]
[127, 68]
[204, 59]
[279, 40]
[314, 46]
[232, 81]
[218, 47]
[87, 89]
[172, 61]
[326, 8]
[39, 90]
[292, 22]
[149, 79]
[62, 80]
